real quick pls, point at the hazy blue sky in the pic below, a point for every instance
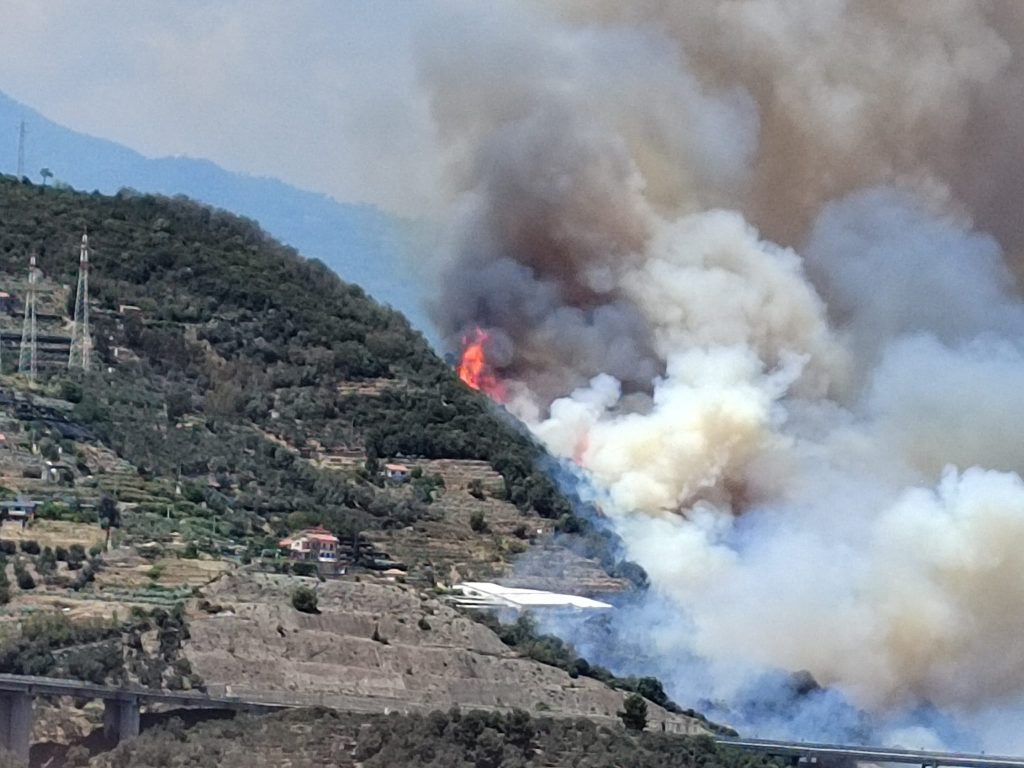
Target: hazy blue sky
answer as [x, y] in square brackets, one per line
[320, 93]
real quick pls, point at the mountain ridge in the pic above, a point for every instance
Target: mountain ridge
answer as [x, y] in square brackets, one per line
[360, 242]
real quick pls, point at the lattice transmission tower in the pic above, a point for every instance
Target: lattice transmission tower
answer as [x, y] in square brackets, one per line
[81, 341]
[27, 353]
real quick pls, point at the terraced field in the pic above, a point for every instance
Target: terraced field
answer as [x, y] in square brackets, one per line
[378, 647]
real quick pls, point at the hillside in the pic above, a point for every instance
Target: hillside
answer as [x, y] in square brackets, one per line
[239, 393]
[378, 647]
[252, 393]
[359, 242]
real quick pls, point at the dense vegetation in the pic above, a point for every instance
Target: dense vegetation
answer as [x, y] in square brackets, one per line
[101, 651]
[307, 738]
[241, 347]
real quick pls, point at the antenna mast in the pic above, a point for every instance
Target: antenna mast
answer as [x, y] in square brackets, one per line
[81, 341]
[27, 352]
[21, 150]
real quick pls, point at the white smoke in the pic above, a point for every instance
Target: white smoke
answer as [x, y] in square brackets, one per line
[797, 531]
[812, 448]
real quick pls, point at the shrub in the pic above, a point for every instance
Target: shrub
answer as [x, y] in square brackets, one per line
[86, 574]
[71, 391]
[516, 546]
[75, 557]
[476, 489]
[9, 547]
[25, 580]
[304, 569]
[47, 562]
[304, 600]
[30, 547]
[477, 521]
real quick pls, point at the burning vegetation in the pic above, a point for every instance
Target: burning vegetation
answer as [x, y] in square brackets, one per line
[475, 370]
[764, 285]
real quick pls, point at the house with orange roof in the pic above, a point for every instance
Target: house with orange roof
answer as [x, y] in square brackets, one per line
[315, 545]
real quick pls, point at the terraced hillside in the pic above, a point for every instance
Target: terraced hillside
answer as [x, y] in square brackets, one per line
[240, 392]
[379, 647]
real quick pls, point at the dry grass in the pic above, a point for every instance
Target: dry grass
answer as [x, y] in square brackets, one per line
[55, 533]
[136, 573]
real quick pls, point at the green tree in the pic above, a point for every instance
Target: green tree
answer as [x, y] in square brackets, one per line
[75, 557]
[634, 712]
[110, 516]
[109, 512]
[651, 689]
[178, 402]
[47, 562]
[25, 580]
[304, 600]
[477, 521]
[30, 547]
[71, 391]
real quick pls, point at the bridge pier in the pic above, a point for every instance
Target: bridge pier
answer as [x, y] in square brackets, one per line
[16, 722]
[121, 718]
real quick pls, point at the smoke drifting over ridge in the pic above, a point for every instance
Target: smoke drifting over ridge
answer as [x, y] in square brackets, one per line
[755, 264]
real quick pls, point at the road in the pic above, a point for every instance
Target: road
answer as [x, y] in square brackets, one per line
[872, 754]
[52, 686]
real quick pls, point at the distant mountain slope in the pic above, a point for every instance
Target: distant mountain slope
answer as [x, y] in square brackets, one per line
[360, 242]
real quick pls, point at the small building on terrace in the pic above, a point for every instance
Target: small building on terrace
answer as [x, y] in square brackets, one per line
[21, 510]
[315, 545]
[397, 473]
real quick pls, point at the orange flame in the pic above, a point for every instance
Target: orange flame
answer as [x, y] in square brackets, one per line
[474, 369]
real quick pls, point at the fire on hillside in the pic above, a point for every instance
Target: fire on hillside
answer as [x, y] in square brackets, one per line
[475, 370]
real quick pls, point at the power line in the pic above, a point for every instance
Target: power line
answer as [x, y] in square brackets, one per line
[81, 341]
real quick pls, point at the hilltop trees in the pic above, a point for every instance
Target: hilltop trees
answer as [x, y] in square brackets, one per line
[634, 712]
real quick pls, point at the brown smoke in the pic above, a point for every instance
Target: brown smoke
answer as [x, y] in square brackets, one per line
[570, 127]
[760, 259]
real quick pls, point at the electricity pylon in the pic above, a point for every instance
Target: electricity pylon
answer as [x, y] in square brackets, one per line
[81, 341]
[27, 352]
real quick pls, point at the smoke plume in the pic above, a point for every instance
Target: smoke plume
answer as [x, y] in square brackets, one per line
[754, 265]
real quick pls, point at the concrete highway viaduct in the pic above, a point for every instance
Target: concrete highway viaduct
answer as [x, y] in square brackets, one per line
[121, 722]
[121, 706]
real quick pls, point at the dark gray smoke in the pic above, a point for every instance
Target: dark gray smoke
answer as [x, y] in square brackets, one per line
[755, 265]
